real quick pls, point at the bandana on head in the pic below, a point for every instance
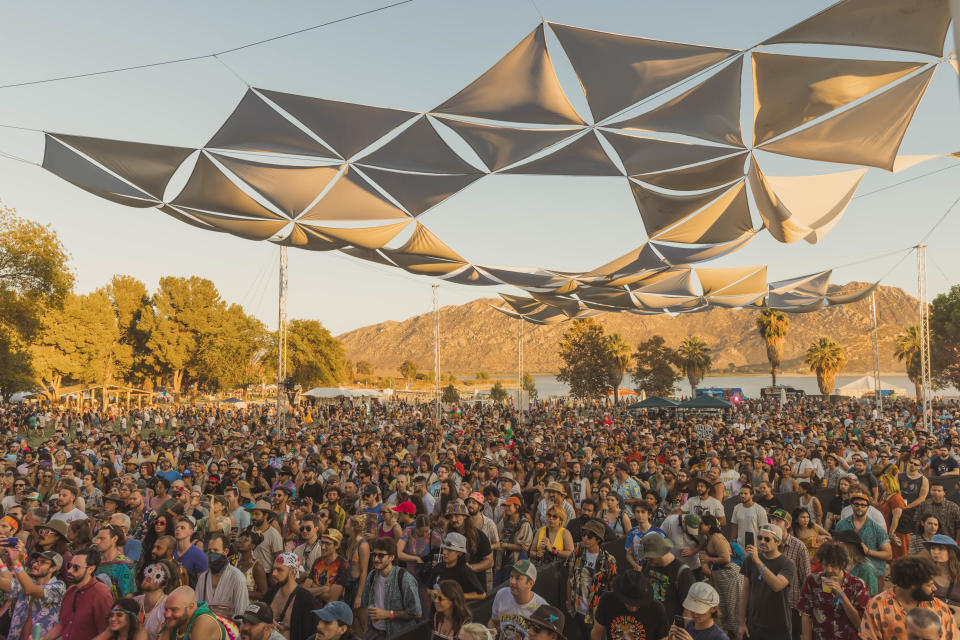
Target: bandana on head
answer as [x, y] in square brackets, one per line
[14, 525]
[289, 559]
[157, 573]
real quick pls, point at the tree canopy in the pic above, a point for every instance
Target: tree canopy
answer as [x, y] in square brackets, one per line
[585, 357]
[773, 325]
[825, 358]
[945, 338]
[694, 359]
[653, 370]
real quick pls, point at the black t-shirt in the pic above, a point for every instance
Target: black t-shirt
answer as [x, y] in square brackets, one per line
[868, 480]
[460, 574]
[670, 585]
[942, 467]
[483, 550]
[313, 490]
[648, 621]
[769, 504]
[767, 610]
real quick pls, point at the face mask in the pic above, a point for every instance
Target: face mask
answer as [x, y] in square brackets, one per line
[217, 562]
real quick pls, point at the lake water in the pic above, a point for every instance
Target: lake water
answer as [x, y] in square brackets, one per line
[549, 386]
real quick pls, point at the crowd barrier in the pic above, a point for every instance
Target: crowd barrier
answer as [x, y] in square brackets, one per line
[552, 578]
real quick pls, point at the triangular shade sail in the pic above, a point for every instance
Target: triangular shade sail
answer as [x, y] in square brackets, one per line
[529, 278]
[256, 126]
[690, 254]
[848, 298]
[661, 210]
[521, 87]
[499, 147]
[607, 297]
[724, 220]
[521, 304]
[352, 197]
[659, 302]
[183, 216]
[245, 228]
[867, 134]
[804, 207]
[365, 237]
[679, 282]
[66, 163]
[418, 148]
[423, 265]
[702, 176]
[710, 110]
[345, 126]
[569, 306]
[209, 189]
[148, 166]
[732, 280]
[902, 163]
[303, 236]
[643, 258]
[790, 91]
[424, 243]
[292, 188]
[904, 25]
[470, 275]
[417, 192]
[367, 254]
[815, 284]
[582, 157]
[616, 71]
[649, 155]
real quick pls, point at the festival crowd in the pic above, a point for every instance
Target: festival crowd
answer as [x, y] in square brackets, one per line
[812, 520]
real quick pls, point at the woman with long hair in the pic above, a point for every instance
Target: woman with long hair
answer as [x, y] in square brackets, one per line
[716, 563]
[450, 610]
[52, 536]
[79, 534]
[613, 514]
[123, 622]
[810, 503]
[945, 554]
[805, 529]
[357, 552]
[553, 540]
[928, 527]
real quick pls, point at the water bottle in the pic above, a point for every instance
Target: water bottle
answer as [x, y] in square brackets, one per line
[37, 632]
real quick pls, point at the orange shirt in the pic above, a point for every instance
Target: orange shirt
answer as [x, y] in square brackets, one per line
[885, 618]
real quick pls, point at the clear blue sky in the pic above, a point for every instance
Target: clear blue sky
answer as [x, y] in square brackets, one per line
[413, 56]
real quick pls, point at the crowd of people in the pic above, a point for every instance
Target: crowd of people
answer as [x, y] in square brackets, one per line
[812, 520]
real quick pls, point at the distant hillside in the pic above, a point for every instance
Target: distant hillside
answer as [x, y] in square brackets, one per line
[475, 337]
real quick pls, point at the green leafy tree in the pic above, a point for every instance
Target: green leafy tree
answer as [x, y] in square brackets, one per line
[498, 393]
[907, 350]
[584, 356]
[529, 386]
[773, 325]
[653, 368]
[450, 394]
[364, 368]
[693, 358]
[618, 364]
[315, 358]
[233, 353]
[33, 278]
[408, 370]
[131, 303]
[825, 358]
[945, 338]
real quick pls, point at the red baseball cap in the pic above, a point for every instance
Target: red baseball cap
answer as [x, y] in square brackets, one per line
[405, 507]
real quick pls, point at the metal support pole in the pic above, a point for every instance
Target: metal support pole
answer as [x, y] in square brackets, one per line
[436, 357]
[520, 369]
[925, 384]
[281, 341]
[877, 397]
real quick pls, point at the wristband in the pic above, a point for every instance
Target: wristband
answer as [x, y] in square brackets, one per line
[17, 568]
[762, 569]
[3, 567]
[391, 615]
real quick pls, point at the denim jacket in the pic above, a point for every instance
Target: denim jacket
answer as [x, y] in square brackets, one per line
[401, 594]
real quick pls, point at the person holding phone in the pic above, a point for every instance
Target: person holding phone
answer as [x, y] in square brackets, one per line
[763, 612]
[700, 610]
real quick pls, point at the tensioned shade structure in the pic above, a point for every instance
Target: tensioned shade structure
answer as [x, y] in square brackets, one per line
[327, 175]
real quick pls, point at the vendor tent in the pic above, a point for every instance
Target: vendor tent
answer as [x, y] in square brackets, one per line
[334, 392]
[866, 386]
[655, 402]
[706, 402]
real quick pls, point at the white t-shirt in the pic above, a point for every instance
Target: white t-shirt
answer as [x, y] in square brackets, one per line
[872, 512]
[69, 516]
[510, 615]
[748, 519]
[703, 506]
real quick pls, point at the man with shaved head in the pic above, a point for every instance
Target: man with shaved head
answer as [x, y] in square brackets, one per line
[181, 610]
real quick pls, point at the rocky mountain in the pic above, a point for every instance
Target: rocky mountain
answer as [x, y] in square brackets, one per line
[475, 337]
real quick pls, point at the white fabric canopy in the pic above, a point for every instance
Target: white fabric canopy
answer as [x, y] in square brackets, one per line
[867, 385]
[641, 155]
[521, 87]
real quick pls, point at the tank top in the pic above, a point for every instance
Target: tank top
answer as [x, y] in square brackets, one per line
[910, 491]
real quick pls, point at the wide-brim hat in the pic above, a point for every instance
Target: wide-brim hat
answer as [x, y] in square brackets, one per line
[556, 486]
[60, 526]
[457, 508]
[547, 617]
[262, 505]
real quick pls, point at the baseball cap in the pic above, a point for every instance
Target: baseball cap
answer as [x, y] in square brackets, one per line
[773, 530]
[335, 611]
[525, 568]
[52, 556]
[333, 534]
[455, 542]
[406, 507]
[781, 514]
[691, 522]
[513, 500]
[701, 598]
[256, 613]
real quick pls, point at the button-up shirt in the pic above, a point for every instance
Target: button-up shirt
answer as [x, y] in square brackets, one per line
[796, 552]
[84, 613]
[947, 512]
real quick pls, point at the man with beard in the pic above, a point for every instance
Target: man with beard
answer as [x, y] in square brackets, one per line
[36, 593]
[261, 515]
[291, 604]
[748, 517]
[256, 623]
[309, 551]
[333, 622]
[763, 612]
[87, 602]
[338, 517]
[222, 586]
[703, 503]
[67, 501]
[515, 602]
[329, 572]
[187, 619]
[913, 587]
[482, 523]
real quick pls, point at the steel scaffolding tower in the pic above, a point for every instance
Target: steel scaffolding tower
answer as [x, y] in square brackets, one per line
[925, 383]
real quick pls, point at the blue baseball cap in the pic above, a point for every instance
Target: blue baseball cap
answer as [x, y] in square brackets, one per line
[335, 610]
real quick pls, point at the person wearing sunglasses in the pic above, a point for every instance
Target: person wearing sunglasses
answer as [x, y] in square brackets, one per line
[390, 594]
[591, 571]
[764, 611]
[123, 622]
[34, 589]
[87, 602]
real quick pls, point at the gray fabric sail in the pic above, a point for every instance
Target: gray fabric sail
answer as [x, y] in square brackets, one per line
[64, 162]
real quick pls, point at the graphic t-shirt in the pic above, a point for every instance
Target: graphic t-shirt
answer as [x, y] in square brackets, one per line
[648, 622]
[670, 585]
[327, 574]
[510, 614]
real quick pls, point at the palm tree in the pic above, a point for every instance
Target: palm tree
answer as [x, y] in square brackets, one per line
[825, 358]
[693, 358]
[908, 351]
[619, 353]
[773, 326]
